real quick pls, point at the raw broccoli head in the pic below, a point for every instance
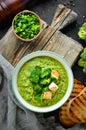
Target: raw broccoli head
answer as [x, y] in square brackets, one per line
[84, 69]
[82, 32]
[83, 54]
[82, 60]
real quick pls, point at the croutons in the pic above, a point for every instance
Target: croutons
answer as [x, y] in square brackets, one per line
[55, 74]
[47, 95]
[53, 87]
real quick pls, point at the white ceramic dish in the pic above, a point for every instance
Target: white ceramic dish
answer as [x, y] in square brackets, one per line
[49, 108]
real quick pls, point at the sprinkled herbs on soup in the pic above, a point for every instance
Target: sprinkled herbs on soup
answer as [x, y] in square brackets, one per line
[42, 81]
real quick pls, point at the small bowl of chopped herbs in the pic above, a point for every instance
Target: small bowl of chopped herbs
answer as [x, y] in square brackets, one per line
[26, 25]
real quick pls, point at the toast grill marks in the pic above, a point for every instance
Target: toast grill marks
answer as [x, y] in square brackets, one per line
[64, 118]
[76, 109]
[78, 86]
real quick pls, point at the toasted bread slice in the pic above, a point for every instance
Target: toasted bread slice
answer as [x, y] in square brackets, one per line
[76, 109]
[64, 118]
[78, 86]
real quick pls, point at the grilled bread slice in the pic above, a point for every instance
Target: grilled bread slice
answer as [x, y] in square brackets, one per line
[76, 109]
[64, 119]
[63, 116]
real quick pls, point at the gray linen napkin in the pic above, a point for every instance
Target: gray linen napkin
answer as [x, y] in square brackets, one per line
[13, 116]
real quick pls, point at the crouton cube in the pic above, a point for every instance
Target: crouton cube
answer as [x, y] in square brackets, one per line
[53, 87]
[47, 95]
[55, 74]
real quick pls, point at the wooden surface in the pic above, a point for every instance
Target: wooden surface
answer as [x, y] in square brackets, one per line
[50, 39]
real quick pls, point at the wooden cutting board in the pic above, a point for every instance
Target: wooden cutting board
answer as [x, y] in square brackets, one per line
[50, 39]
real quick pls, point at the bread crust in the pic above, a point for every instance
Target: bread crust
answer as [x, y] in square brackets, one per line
[76, 108]
[65, 111]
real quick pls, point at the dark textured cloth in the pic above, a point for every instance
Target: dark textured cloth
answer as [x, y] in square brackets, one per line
[12, 115]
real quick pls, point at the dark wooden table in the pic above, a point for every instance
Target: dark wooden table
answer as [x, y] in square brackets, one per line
[46, 9]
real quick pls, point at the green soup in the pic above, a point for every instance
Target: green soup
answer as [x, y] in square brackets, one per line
[25, 86]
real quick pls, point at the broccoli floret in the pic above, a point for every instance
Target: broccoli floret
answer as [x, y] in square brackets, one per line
[39, 97]
[81, 62]
[45, 81]
[84, 69]
[82, 32]
[35, 74]
[45, 89]
[45, 72]
[83, 54]
[37, 88]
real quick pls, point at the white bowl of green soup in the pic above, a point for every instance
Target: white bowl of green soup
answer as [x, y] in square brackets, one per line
[42, 81]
